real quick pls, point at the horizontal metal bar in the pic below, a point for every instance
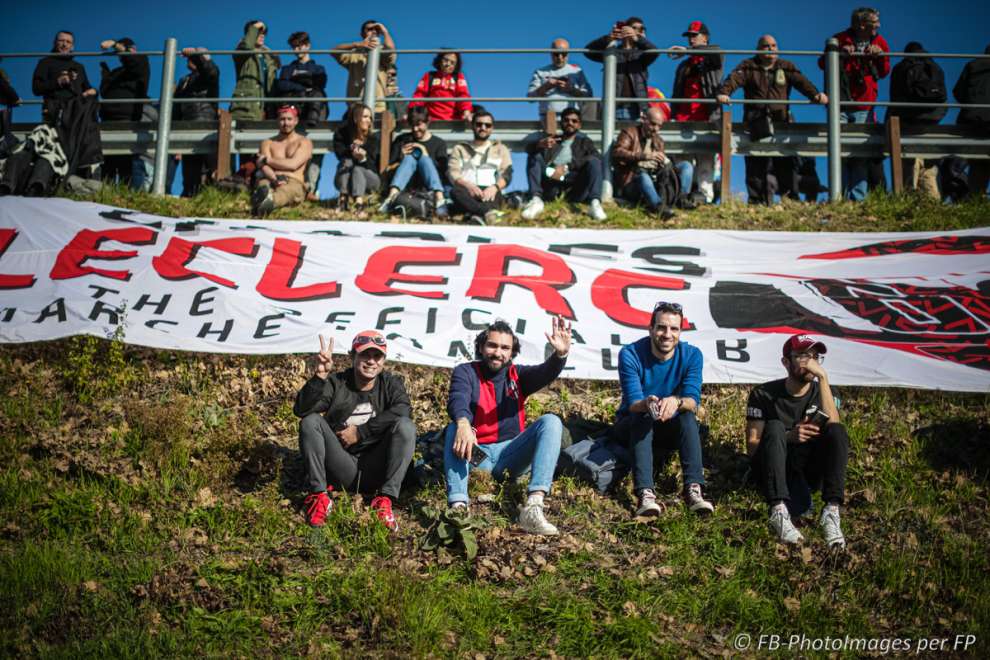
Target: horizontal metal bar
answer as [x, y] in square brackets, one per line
[101, 53]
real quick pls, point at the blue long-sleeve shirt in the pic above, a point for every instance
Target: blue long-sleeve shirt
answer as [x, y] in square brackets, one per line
[297, 77]
[642, 374]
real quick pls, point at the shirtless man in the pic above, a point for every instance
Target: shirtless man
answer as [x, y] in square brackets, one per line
[281, 166]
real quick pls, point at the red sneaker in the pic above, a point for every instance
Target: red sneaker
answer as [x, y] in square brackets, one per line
[318, 505]
[383, 507]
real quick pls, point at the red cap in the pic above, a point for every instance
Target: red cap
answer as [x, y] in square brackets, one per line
[289, 108]
[696, 27]
[802, 343]
[369, 339]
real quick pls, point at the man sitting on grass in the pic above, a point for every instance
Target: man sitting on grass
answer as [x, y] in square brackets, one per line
[282, 164]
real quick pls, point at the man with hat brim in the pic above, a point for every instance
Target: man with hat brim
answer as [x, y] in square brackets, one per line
[796, 440]
[356, 432]
[282, 162]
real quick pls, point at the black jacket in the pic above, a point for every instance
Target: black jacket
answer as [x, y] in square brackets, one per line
[44, 83]
[127, 81]
[337, 396]
[582, 151]
[436, 149]
[204, 82]
[900, 89]
[973, 86]
[8, 96]
[342, 140]
[631, 62]
[709, 68]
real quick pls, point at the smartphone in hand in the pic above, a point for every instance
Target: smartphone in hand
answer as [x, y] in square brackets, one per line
[477, 455]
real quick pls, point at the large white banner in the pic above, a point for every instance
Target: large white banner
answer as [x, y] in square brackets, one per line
[893, 309]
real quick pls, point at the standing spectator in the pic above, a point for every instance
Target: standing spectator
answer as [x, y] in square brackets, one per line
[766, 76]
[373, 34]
[356, 147]
[445, 81]
[420, 158]
[631, 72]
[863, 65]
[973, 86]
[202, 81]
[58, 76]
[304, 78]
[918, 79]
[559, 80]
[128, 81]
[479, 171]
[698, 77]
[565, 163]
[256, 72]
[638, 158]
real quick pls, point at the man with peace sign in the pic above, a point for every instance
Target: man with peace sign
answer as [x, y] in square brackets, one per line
[487, 404]
[356, 433]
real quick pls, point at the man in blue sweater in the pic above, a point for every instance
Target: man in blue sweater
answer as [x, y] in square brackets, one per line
[661, 389]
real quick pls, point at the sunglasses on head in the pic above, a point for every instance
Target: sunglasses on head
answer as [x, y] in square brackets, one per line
[664, 306]
[376, 340]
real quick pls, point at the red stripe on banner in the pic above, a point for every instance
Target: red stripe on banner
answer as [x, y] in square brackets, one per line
[7, 237]
[941, 245]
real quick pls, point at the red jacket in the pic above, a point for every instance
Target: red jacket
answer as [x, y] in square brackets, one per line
[860, 75]
[434, 84]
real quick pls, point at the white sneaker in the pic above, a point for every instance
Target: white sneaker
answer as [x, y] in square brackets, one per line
[532, 520]
[782, 527]
[533, 209]
[832, 528]
[648, 507]
[596, 211]
[696, 502]
[386, 205]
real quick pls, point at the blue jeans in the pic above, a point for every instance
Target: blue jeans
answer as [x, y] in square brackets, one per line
[643, 188]
[417, 163]
[534, 450]
[854, 170]
[645, 434]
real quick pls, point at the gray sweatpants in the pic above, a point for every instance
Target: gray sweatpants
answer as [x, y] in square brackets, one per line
[355, 179]
[378, 469]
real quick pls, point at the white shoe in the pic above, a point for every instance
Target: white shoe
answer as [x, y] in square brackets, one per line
[696, 502]
[532, 520]
[648, 507]
[782, 527]
[596, 211]
[832, 528]
[533, 209]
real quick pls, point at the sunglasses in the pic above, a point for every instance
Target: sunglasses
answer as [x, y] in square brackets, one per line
[377, 340]
[483, 124]
[664, 306]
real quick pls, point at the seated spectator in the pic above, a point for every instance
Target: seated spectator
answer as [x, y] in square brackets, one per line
[357, 149]
[639, 160]
[796, 441]
[698, 77]
[559, 80]
[631, 72]
[767, 76]
[128, 81]
[355, 432]
[256, 71]
[566, 163]
[479, 171]
[281, 163]
[973, 86]
[419, 158]
[302, 79]
[202, 82]
[58, 76]
[445, 81]
[373, 34]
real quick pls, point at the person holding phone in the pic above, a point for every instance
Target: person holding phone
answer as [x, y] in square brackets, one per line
[560, 81]
[629, 37]
[487, 403]
[794, 437]
[356, 432]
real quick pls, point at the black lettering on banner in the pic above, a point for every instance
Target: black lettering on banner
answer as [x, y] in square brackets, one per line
[520, 326]
[338, 317]
[682, 268]
[154, 322]
[113, 313]
[383, 317]
[55, 308]
[469, 323]
[548, 350]
[739, 349]
[458, 349]
[607, 353]
[569, 248]
[159, 305]
[207, 329]
[395, 335]
[431, 320]
[199, 300]
[100, 290]
[265, 323]
[422, 235]
[8, 313]
[576, 337]
[478, 239]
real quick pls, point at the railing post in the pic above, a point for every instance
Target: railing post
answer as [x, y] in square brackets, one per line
[894, 147]
[725, 149]
[834, 127]
[371, 78]
[608, 120]
[164, 118]
[224, 138]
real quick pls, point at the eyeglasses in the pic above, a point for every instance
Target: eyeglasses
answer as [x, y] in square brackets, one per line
[806, 356]
[664, 306]
[377, 340]
[483, 124]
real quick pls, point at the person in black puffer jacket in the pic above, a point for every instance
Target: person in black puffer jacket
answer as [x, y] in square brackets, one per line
[202, 82]
[973, 86]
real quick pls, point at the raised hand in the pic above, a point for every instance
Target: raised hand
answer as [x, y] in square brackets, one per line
[560, 336]
[324, 359]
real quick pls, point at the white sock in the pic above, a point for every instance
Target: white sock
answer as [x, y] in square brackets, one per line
[779, 506]
[459, 505]
[832, 508]
[536, 498]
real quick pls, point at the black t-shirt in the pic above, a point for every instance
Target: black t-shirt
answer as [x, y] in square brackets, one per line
[771, 401]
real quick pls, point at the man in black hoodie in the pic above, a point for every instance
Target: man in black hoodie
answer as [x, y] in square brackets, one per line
[58, 76]
[128, 81]
[973, 86]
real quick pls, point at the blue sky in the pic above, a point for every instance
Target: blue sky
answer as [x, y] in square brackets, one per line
[941, 27]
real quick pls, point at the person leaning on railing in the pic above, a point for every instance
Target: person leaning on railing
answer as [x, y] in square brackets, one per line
[202, 81]
[446, 80]
[560, 81]
[58, 76]
[127, 81]
[973, 86]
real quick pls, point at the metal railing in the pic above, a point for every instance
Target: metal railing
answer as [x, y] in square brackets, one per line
[791, 139]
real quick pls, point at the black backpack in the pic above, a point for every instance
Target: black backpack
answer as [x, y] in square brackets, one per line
[925, 82]
[668, 184]
[953, 178]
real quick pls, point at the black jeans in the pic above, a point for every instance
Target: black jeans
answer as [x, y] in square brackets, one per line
[380, 468]
[758, 173]
[581, 185]
[820, 462]
[118, 168]
[465, 203]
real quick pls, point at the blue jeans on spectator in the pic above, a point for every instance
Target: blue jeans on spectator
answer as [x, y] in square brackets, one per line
[581, 185]
[534, 450]
[417, 163]
[854, 170]
[643, 188]
[644, 434]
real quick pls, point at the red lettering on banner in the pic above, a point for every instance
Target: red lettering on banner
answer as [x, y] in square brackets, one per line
[280, 274]
[86, 245]
[7, 237]
[384, 265]
[171, 264]
[491, 276]
[610, 293]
